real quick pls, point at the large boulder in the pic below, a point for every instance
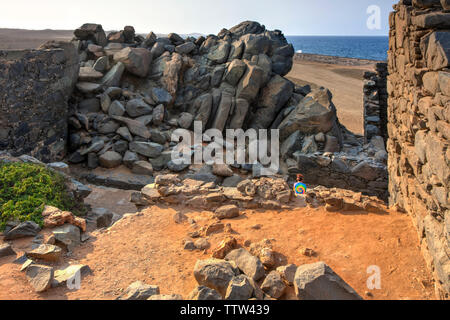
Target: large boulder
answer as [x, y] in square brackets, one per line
[318, 281]
[315, 113]
[136, 60]
[223, 111]
[250, 83]
[235, 72]
[215, 274]
[240, 114]
[92, 32]
[247, 27]
[201, 108]
[272, 99]
[219, 53]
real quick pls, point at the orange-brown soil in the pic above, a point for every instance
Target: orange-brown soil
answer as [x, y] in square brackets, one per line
[149, 247]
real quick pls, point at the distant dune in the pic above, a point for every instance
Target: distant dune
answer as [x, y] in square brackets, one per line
[31, 39]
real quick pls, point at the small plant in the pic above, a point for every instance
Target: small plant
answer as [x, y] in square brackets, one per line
[25, 189]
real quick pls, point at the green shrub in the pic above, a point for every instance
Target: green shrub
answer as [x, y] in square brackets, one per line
[25, 189]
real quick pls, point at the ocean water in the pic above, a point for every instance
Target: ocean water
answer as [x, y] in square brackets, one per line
[373, 48]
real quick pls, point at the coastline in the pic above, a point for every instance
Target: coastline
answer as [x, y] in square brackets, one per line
[335, 60]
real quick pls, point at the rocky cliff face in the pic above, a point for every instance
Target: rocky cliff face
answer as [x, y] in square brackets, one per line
[418, 126]
[35, 86]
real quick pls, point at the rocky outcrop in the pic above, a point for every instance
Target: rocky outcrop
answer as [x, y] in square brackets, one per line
[418, 126]
[150, 87]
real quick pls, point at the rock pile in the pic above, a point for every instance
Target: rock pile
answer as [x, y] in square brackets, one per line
[132, 92]
[342, 200]
[268, 193]
[242, 276]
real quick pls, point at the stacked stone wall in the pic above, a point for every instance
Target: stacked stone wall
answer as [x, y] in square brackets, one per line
[375, 103]
[418, 126]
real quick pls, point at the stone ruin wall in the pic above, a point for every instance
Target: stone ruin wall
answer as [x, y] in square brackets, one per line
[375, 103]
[418, 126]
[35, 86]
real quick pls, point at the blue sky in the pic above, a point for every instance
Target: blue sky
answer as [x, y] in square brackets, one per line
[293, 17]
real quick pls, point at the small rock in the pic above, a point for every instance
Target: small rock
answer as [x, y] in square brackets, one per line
[201, 244]
[162, 297]
[143, 168]
[247, 263]
[103, 217]
[189, 245]
[6, 250]
[227, 212]
[179, 217]
[185, 120]
[288, 273]
[110, 159]
[307, 252]
[139, 291]
[226, 246]
[204, 293]
[24, 229]
[239, 288]
[63, 275]
[46, 252]
[68, 235]
[222, 170]
[40, 277]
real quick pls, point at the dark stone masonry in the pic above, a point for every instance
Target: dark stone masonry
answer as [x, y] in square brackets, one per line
[35, 86]
[375, 103]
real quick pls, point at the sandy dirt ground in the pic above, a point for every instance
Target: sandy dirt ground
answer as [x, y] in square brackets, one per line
[148, 247]
[344, 82]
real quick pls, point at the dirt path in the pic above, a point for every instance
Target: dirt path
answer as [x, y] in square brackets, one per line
[148, 247]
[345, 82]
